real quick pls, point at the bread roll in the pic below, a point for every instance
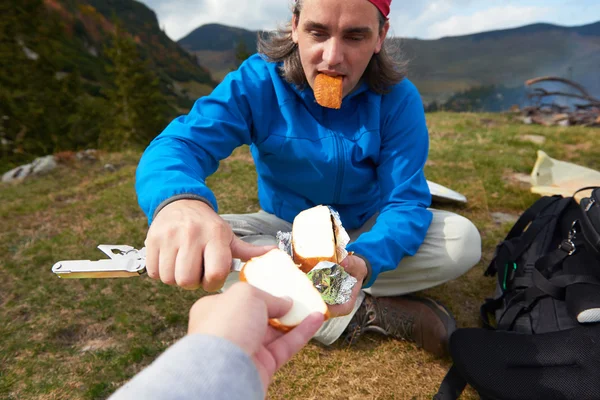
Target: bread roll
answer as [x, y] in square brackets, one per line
[313, 238]
[276, 274]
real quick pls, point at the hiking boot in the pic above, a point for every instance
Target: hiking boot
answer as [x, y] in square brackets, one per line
[416, 319]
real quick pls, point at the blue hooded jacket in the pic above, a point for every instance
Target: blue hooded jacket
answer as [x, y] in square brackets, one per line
[364, 158]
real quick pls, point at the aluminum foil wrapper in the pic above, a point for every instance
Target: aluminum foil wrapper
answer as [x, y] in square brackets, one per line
[332, 281]
[284, 242]
[341, 236]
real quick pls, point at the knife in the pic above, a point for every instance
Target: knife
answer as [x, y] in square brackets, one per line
[123, 262]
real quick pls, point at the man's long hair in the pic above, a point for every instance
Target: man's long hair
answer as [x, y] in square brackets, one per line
[382, 72]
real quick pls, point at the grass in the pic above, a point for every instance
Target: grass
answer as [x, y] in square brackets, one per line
[81, 339]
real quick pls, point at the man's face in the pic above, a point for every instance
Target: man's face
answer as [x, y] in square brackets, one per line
[337, 37]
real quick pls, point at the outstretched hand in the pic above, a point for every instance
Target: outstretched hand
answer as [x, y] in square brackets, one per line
[241, 316]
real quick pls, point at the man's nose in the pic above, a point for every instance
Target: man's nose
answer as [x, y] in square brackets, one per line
[333, 54]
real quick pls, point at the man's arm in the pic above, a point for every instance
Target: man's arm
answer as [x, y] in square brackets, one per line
[404, 219]
[197, 367]
[178, 161]
[188, 244]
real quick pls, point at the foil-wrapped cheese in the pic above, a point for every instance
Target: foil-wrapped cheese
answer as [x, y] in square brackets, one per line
[332, 281]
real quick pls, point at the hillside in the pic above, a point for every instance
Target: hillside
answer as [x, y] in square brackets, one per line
[88, 25]
[88, 73]
[217, 37]
[215, 45]
[505, 57]
[444, 66]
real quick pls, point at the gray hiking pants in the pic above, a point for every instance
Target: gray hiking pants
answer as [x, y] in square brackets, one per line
[452, 246]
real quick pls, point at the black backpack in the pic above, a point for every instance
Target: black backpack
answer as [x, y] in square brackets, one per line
[546, 341]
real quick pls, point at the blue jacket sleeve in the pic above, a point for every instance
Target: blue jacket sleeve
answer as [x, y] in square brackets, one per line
[197, 367]
[404, 218]
[179, 160]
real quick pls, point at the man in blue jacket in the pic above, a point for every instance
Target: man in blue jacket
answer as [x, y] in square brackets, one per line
[365, 160]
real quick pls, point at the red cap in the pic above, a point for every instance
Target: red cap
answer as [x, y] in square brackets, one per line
[383, 6]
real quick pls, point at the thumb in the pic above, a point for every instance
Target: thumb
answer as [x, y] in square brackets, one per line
[348, 263]
[355, 266]
[245, 251]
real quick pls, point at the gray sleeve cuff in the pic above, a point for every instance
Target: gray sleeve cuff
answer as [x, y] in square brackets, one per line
[183, 196]
[369, 269]
[197, 367]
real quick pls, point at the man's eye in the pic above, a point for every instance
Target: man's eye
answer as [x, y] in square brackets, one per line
[355, 38]
[317, 34]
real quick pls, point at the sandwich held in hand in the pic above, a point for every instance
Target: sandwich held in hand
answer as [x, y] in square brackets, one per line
[318, 235]
[276, 274]
[328, 91]
[318, 245]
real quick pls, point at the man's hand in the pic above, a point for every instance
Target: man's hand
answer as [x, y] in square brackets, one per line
[189, 245]
[241, 315]
[356, 267]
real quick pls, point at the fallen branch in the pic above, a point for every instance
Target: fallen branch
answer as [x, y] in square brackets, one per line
[538, 92]
[554, 114]
[584, 93]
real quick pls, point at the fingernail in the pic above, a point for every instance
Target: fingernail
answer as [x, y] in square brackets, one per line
[288, 299]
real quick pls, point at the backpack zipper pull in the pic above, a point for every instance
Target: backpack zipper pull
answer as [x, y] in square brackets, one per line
[590, 204]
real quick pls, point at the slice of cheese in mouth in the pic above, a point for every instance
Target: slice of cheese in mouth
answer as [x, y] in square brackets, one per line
[328, 91]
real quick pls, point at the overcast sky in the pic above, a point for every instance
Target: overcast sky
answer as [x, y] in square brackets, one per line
[425, 19]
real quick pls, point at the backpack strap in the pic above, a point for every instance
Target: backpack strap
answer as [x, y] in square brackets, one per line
[490, 306]
[508, 250]
[530, 214]
[554, 287]
[586, 188]
[590, 219]
[518, 305]
[452, 386]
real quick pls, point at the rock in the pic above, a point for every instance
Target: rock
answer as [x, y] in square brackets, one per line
[87, 155]
[528, 120]
[501, 218]
[39, 166]
[559, 117]
[564, 122]
[64, 157]
[17, 174]
[43, 165]
[537, 139]
[110, 167]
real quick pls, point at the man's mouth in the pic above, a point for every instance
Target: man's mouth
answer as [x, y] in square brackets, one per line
[331, 73]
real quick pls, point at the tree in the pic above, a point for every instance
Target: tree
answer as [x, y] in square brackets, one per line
[241, 53]
[137, 108]
[34, 104]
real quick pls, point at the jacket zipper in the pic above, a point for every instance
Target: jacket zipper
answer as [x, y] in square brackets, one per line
[340, 167]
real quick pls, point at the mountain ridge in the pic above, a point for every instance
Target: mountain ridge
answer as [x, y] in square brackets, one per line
[442, 67]
[88, 26]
